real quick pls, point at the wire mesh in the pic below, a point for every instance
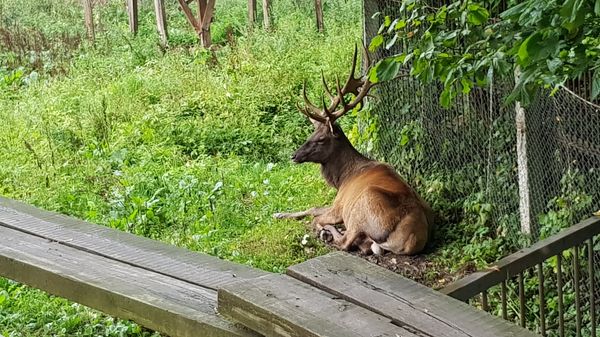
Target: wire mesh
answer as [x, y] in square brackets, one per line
[471, 149]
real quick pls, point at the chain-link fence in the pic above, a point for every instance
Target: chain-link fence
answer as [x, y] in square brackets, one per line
[518, 176]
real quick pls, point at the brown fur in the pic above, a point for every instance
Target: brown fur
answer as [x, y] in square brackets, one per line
[377, 207]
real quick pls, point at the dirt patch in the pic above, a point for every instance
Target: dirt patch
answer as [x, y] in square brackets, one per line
[424, 268]
[421, 268]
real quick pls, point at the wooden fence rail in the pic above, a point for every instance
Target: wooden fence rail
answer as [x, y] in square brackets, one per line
[515, 265]
[185, 294]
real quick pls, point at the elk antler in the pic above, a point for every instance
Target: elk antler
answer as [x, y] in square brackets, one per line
[359, 87]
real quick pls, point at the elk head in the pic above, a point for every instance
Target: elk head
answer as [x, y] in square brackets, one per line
[328, 139]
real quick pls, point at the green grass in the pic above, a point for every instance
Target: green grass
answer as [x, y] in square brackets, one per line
[166, 146]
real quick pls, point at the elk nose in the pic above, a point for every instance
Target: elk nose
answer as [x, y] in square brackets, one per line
[294, 157]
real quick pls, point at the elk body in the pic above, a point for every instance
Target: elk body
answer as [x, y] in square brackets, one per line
[378, 208]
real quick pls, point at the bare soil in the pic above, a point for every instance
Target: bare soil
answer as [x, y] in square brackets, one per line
[421, 268]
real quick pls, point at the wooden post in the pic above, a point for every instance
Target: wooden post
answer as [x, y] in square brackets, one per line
[201, 24]
[205, 12]
[251, 12]
[523, 170]
[89, 19]
[319, 14]
[538, 173]
[132, 11]
[161, 22]
[266, 14]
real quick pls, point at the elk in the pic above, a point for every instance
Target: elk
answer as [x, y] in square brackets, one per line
[379, 210]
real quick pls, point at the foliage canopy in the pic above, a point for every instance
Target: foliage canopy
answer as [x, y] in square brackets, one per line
[468, 43]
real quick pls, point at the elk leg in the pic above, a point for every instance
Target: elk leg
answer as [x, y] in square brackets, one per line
[366, 246]
[331, 217]
[333, 232]
[345, 241]
[315, 211]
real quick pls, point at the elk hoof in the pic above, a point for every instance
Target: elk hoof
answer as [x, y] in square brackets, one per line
[325, 235]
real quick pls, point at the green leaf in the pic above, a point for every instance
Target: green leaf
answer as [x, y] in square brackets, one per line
[477, 15]
[401, 24]
[530, 49]
[446, 97]
[554, 64]
[466, 85]
[574, 14]
[387, 20]
[376, 42]
[385, 70]
[595, 84]
[572, 9]
[404, 140]
[597, 8]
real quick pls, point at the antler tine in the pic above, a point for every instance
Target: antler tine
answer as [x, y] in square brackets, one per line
[326, 86]
[330, 118]
[352, 84]
[340, 92]
[364, 91]
[353, 69]
[310, 110]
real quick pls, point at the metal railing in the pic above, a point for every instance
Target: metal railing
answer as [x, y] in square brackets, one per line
[559, 258]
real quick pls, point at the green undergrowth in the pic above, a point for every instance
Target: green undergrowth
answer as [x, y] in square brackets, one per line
[180, 146]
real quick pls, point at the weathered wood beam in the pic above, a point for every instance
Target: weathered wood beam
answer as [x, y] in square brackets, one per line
[189, 15]
[516, 263]
[132, 12]
[161, 22]
[251, 12]
[278, 305]
[266, 6]
[319, 15]
[89, 19]
[199, 269]
[407, 303]
[205, 9]
[156, 301]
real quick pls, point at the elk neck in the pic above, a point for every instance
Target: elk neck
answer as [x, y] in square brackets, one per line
[345, 164]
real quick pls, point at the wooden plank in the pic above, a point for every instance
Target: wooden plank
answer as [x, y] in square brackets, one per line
[266, 6]
[205, 9]
[132, 11]
[278, 305]
[88, 16]
[251, 12]
[156, 301]
[319, 15]
[513, 264]
[405, 302]
[523, 166]
[195, 268]
[161, 22]
[183, 4]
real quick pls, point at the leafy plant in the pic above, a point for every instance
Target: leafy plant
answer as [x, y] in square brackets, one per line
[470, 43]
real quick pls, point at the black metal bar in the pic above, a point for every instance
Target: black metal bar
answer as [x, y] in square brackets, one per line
[576, 286]
[561, 309]
[590, 246]
[542, 300]
[503, 299]
[473, 284]
[484, 301]
[522, 299]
